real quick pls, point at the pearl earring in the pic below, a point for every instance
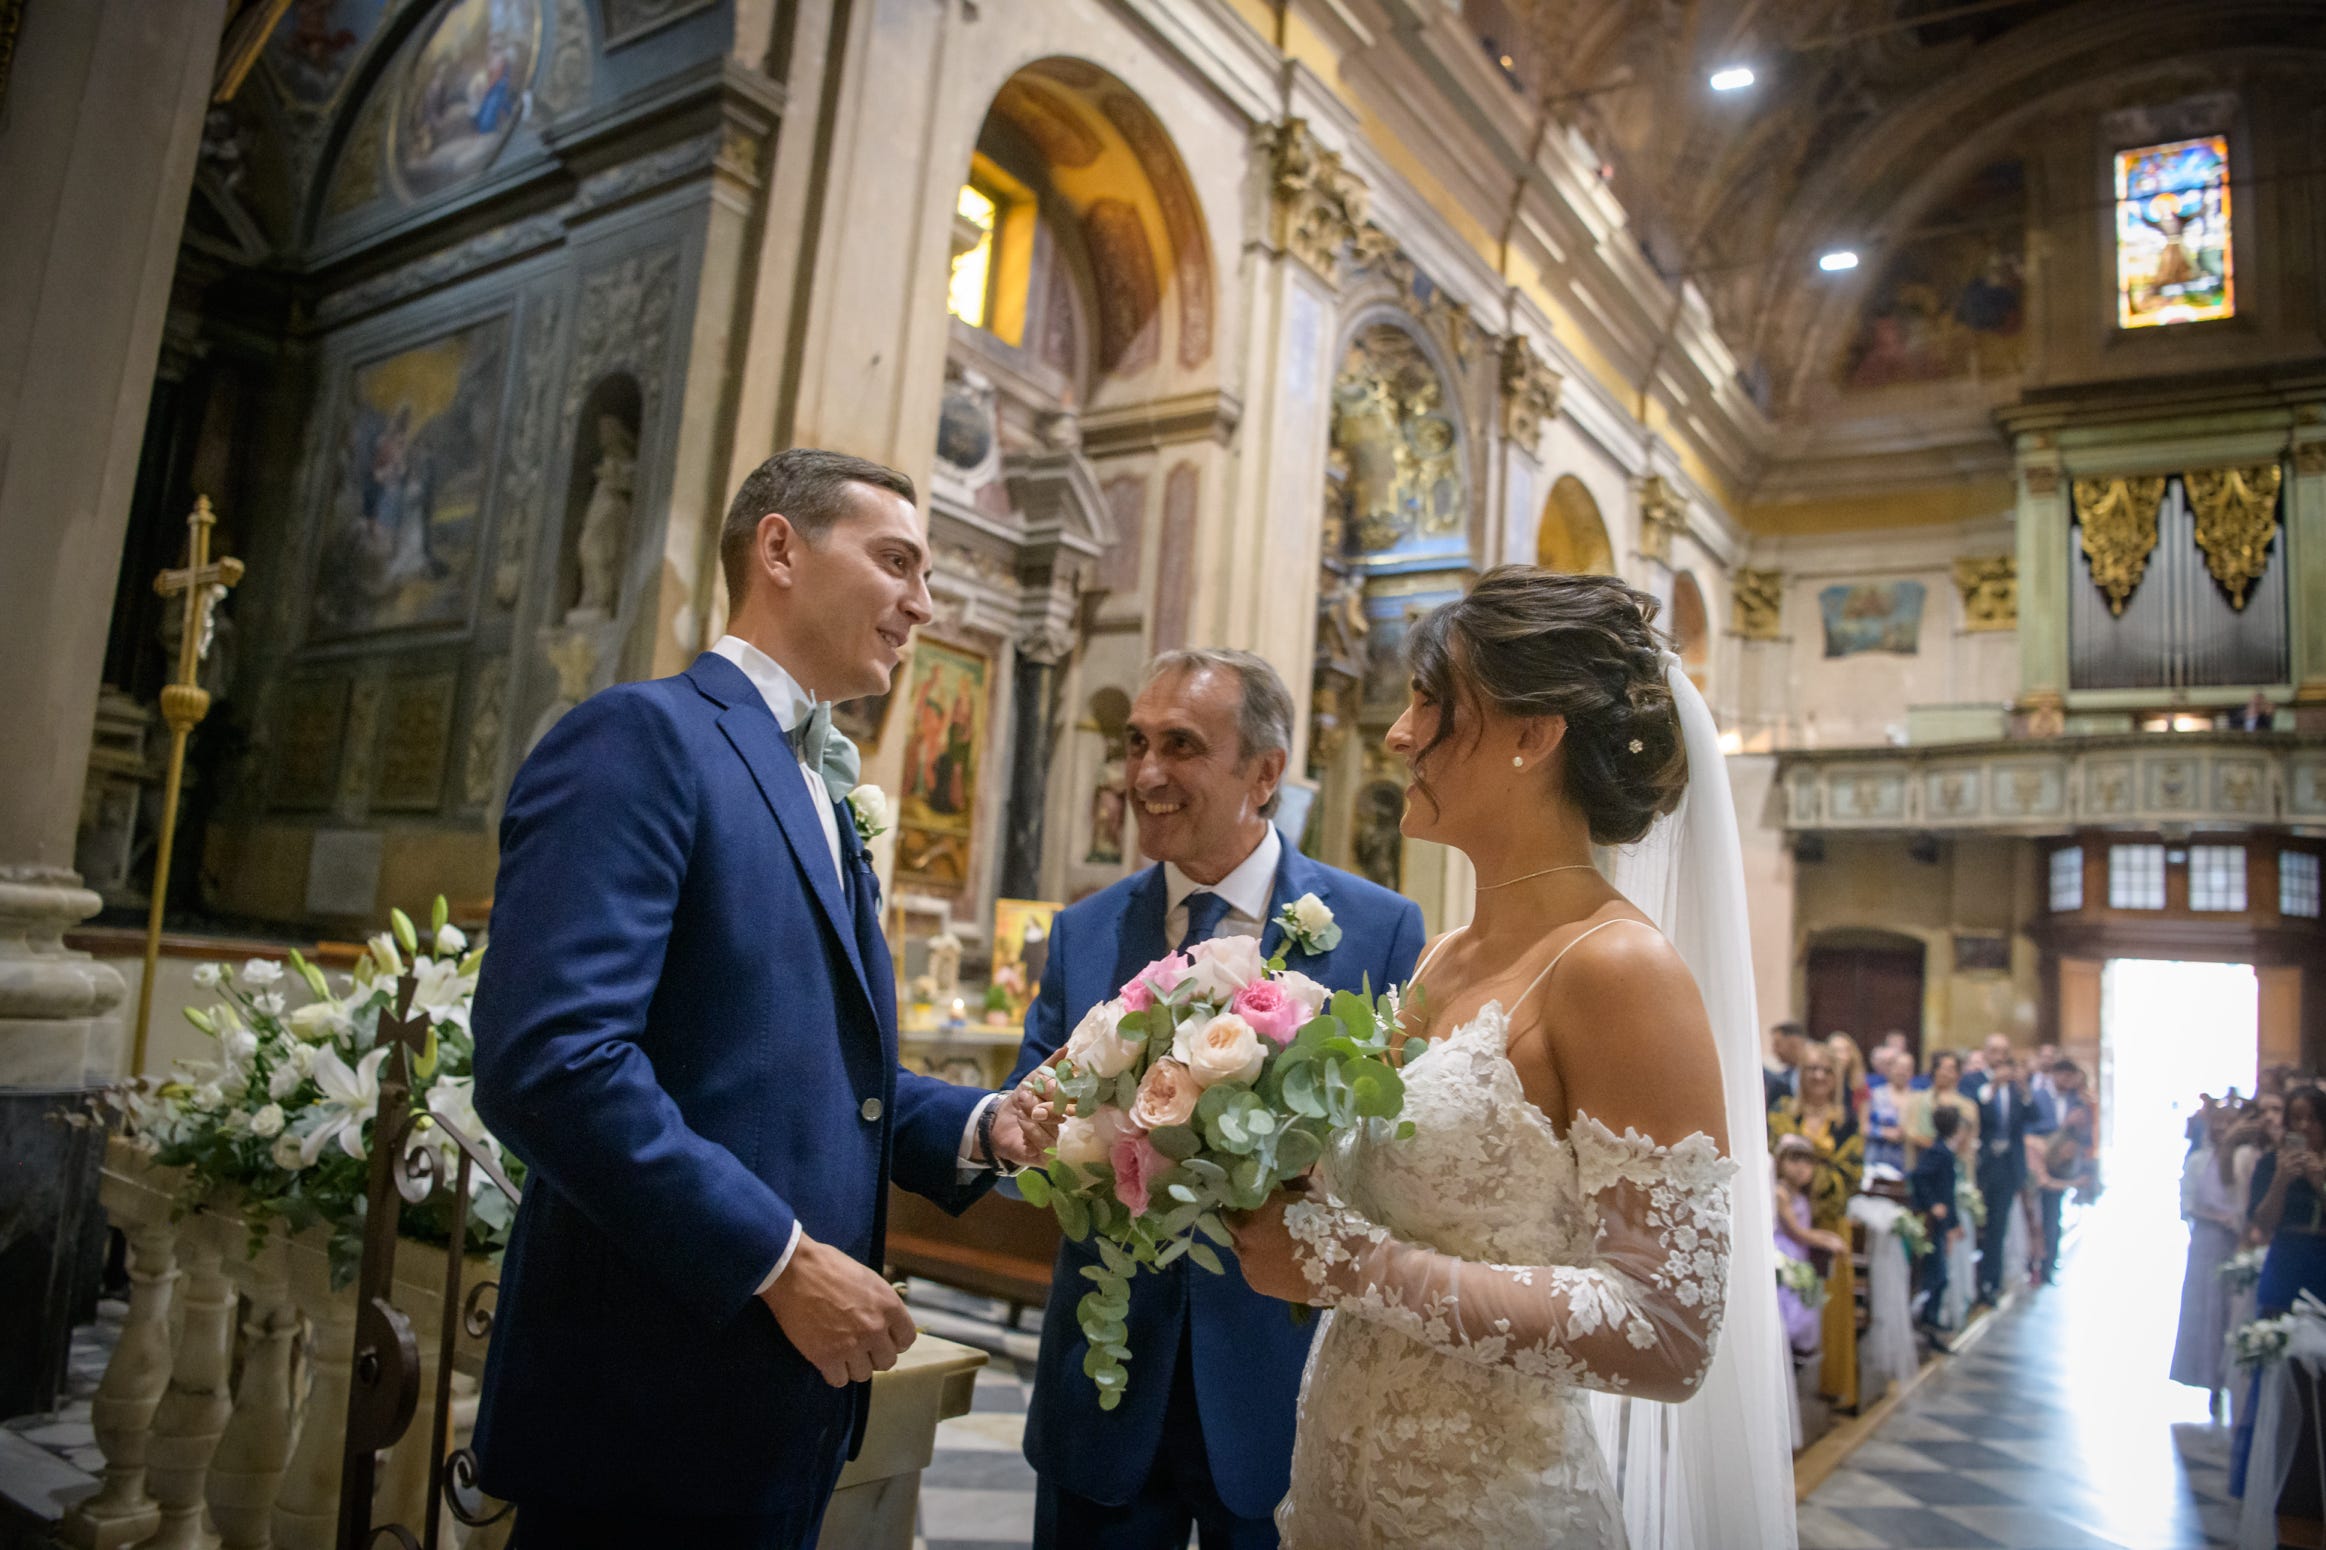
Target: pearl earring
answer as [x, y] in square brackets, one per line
[1518, 761]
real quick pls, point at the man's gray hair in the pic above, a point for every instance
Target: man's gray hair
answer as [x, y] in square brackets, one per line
[1264, 723]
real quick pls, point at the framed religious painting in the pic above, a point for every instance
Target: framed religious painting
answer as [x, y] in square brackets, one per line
[405, 510]
[1021, 952]
[943, 717]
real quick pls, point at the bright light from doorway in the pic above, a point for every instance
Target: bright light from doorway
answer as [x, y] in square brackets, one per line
[1838, 260]
[1734, 78]
[2169, 1031]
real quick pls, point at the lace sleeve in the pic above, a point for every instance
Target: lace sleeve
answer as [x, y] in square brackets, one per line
[1639, 1315]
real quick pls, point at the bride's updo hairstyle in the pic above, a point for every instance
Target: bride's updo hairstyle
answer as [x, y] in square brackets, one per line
[1529, 642]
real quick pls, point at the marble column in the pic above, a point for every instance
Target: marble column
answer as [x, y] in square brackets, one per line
[97, 151]
[2043, 586]
[1036, 696]
[2305, 518]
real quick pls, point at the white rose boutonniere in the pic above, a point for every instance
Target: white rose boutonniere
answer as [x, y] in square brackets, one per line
[1309, 925]
[868, 806]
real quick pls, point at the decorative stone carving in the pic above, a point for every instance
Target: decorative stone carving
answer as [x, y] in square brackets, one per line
[1989, 584]
[565, 84]
[2042, 479]
[1662, 514]
[499, 245]
[121, 1513]
[1319, 204]
[1338, 682]
[526, 461]
[193, 1410]
[2237, 519]
[2310, 458]
[2116, 520]
[1757, 601]
[488, 714]
[355, 761]
[1402, 452]
[1530, 392]
[606, 522]
[624, 324]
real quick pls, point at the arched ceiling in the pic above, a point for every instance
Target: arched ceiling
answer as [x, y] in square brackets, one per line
[1862, 114]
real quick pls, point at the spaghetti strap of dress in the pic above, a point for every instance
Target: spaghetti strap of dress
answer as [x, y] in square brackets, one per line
[1433, 952]
[1580, 939]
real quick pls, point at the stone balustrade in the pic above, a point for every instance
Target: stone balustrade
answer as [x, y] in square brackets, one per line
[2053, 785]
[223, 1411]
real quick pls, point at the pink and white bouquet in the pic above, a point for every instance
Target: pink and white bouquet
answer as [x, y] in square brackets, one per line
[1212, 1078]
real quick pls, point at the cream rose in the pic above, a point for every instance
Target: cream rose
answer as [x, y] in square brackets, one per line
[1097, 1045]
[1225, 1049]
[267, 1123]
[286, 1153]
[1167, 1096]
[1225, 965]
[317, 1021]
[1087, 1141]
[1311, 914]
[1303, 990]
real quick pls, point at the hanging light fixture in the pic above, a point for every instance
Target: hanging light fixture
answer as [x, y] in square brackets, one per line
[1837, 260]
[1732, 78]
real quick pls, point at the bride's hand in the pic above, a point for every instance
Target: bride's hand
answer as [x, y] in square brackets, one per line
[1264, 1248]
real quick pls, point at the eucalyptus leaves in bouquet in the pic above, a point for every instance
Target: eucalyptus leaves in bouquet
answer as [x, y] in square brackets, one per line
[280, 1118]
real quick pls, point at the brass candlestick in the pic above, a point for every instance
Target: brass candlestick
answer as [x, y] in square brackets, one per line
[203, 582]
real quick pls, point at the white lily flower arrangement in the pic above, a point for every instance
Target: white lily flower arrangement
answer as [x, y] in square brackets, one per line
[281, 1118]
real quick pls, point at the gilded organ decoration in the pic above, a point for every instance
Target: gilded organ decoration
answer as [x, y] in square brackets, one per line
[1392, 428]
[2237, 520]
[1989, 584]
[2116, 523]
[1758, 600]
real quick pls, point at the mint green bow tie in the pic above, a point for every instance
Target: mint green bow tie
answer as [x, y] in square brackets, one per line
[827, 752]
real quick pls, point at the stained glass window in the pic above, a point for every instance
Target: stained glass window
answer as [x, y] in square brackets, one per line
[2172, 234]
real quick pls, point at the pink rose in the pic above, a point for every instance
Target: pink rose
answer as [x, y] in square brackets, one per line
[1167, 1095]
[1274, 1015]
[1137, 1164]
[1156, 979]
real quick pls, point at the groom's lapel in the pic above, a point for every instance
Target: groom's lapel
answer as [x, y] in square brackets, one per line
[750, 727]
[1295, 875]
[1139, 938]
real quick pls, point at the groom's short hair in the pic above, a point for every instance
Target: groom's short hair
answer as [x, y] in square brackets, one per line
[809, 487]
[1264, 723]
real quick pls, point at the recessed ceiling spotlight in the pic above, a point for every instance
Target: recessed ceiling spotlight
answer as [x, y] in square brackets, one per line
[1734, 78]
[1837, 261]
[1507, 62]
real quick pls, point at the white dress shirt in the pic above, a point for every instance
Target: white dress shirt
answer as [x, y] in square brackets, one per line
[1246, 889]
[790, 704]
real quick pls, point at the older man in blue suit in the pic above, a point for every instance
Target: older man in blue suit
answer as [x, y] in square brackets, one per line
[1204, 1435]
[686, 1027]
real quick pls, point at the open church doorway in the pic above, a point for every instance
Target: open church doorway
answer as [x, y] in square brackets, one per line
[2169, 1031]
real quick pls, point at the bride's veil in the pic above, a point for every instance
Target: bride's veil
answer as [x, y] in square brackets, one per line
[1715, 1473]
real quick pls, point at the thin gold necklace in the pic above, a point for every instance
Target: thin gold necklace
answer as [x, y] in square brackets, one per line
[1574, 866]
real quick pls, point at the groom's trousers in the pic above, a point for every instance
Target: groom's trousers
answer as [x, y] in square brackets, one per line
[559, 1526]
[1178, 1493]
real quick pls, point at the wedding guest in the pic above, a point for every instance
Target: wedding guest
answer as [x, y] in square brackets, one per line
[2216, 1218]
[1798, 1238]
[1886, 1106]
[1824, 1122]
[2002, 1167]
[2062, 1162]
[1980, 1066]
[1786, 1042]
[2039, 1084]
[1931, 1191]
[1945, 1092]
[1849, 1064]
[2288, 1210]
[2253, 1136]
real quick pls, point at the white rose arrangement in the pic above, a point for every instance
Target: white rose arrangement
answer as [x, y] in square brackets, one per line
[871, 811]
[281, 1117]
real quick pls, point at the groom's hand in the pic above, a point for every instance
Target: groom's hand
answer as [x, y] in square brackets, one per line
[841, 1315]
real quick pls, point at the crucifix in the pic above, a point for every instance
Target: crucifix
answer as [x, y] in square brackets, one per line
[201, 582]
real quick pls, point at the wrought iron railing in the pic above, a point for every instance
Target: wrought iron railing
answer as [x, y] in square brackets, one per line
[384, 1389]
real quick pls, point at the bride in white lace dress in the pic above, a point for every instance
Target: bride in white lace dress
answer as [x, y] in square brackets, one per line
[1559, 1219]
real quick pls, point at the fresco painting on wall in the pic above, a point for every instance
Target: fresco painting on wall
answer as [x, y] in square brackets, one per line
[944, 721]
[316, 44]
[1950, 302]
[1872, 616]
[465, 91]
[400, 537]
[2173, 257]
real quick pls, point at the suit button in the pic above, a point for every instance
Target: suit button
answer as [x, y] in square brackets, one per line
[870, 1109]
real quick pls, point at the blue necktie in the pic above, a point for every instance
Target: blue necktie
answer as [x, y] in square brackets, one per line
[1205, 911]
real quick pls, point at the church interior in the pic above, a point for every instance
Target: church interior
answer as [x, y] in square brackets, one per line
[376, 374]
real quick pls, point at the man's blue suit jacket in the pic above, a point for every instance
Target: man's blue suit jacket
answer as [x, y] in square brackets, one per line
[1248, 1352]
[686, 1028]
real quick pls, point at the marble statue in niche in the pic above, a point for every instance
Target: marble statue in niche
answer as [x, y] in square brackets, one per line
[605, 522]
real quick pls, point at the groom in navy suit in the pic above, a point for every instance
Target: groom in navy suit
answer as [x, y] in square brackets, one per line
[686, 1027]
[1204, 1435]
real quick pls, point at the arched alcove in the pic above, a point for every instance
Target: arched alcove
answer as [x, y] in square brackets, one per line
[1573, 536]
[1691, 629]
[594, 539]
